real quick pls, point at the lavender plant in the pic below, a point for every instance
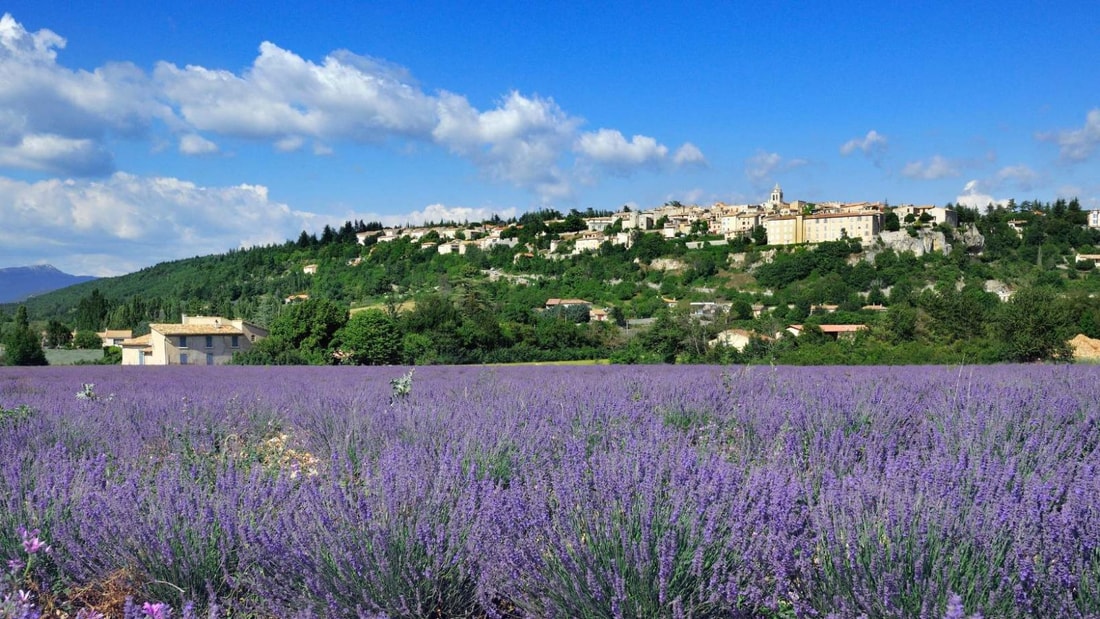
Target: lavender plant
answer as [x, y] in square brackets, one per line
[523, 492]
[393, 541]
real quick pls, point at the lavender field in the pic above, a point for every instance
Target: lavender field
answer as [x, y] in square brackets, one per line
[523, 492]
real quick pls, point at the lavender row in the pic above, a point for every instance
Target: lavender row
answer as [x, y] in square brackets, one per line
[557, 492]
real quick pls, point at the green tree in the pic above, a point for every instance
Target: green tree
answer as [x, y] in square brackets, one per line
[92, 311]
[890, 223]
[665, 337]
[760, 235]
[309, 329]
[57, 334]
[1034, 326]
[21, 345]
[87, 340]
[371, 337]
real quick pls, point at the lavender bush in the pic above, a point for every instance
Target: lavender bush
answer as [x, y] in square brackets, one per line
[552, 492]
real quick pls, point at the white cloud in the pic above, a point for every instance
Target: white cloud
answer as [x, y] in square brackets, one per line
[935, 168]
[761, 167]
[873, 145]
[521, 141]
[285, 99]
[1077, 144]
[289, 144]
[608, 147]
[689, 154]
[58, 119]
[57, 154]
[975, 195]
[283, 95]
[440, 212]
[195, 144]
[125, 222]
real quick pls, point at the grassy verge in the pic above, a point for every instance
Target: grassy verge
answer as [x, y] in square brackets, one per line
[63, 356]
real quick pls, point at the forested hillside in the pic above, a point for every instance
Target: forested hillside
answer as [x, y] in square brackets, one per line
[1010, 288]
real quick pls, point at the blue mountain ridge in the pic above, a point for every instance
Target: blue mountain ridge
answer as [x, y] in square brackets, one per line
[19, 283]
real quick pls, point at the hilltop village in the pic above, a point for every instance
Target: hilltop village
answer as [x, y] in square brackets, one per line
[777, 282]
[775, 221]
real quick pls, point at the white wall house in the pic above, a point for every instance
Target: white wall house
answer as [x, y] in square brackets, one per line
[197, 340]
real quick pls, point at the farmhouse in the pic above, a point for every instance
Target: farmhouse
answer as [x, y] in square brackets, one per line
[115, 337]
[737, 338]
[197, 340]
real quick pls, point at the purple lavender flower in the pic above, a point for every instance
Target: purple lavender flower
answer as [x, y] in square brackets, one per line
[158, 610]
[31, 543]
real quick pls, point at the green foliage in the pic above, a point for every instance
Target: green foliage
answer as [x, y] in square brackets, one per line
[14, 415]
[57, 334]
[21, 345]
[303, 334]
[787, 268]
[760, 235]
[371, 337]
[890, 222]
[112, 355]
[1034, 325]
[86, 340]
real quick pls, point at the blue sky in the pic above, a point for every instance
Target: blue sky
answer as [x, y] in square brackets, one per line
[132, 134]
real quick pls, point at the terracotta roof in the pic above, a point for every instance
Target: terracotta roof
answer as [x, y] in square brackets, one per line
[143, 340]
[113, 333]
[841, 215]
[835, 328]
[177, 329]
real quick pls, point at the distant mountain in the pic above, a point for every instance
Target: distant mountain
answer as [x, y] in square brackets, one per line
[18, 283]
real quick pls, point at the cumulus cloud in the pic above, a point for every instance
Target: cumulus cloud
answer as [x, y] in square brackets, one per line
[195, 144]
[521, 141]
[609, 147]
[136, 221]
[57, 119]
[57, 154]
[689, 154]
[286, 100]
[1077, 144]
[873, 145]
[61, 120]
[761, 167]
[975, 194]
[283, 95]
[610, 151]
[935, 168]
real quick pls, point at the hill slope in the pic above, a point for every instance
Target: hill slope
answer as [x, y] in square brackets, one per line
[18, 283]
